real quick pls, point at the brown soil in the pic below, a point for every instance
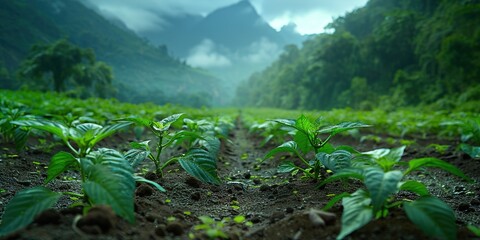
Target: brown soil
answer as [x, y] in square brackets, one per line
[279, 206]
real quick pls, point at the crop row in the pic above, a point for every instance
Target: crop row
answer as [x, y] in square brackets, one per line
[108, 176]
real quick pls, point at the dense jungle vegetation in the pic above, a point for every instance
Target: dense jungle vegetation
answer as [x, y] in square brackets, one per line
[387, 54]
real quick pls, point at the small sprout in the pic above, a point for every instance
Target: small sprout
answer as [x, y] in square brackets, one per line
[331, 195]
[244, 156]
[235, 207]
[171, 219]
[188, 213]
[168, 201]
[36, 163]
[239, 219]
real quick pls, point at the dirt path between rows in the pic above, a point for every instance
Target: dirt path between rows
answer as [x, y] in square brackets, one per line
[277, 206]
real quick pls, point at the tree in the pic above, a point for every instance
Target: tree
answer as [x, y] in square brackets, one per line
[62, 66]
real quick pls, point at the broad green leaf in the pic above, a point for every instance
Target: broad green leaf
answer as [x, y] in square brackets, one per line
[303, 141]
[334, 200]
[286, 122]
[327, 148]
[286, 167]
[105, 187]
[357, 212]
[435, 162]
[140, 145]
[25, 206]
[200, 164]
[347, 173]
[474, 229]
[59, 163]
[139, 121]
[472, 151]
[415, 187]
[136, 156]
[381, 185]
[336, 161]
[165, 123]
[432, 216]
[304, 125]
[212, 144]
[182, 136]
[342, 127]
[52, 127]
[144, 180]
[106, 131]
[20, 135]
[289, 146]
[115, 161]
[386, 158]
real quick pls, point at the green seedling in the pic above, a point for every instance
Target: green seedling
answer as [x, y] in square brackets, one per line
[9, 132]
[202, 148]
[80, 139]
[107, 179]
[216, 229]
[306, 140]
[377, 170]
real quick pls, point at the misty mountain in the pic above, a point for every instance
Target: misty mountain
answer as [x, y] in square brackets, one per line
[233, 41]
[232, 27]
[142, 72]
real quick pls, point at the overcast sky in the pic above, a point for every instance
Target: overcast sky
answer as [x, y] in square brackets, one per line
[310, 16]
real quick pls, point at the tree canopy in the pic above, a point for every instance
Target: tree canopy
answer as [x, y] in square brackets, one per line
[62, 66]
[390, 53]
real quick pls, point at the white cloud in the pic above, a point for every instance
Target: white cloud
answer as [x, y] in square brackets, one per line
[261, 51]
[309, 15]
[204, 55]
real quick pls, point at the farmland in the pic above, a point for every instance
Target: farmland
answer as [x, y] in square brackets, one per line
[104, 169]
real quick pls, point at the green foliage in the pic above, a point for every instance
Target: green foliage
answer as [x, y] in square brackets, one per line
[199, 161]
[376, 169]
[25, 206]
[107, 179]
[307, 138]
[10, 132]
[64, 66]
[84, 135]
[387, 54]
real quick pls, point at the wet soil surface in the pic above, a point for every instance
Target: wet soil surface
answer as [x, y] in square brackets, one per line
[276, 205]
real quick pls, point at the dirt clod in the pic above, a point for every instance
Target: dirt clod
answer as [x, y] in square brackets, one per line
[195, 196]
[100, 219]
[49, 216]
[192, 182]
[144, 190]
[175, 228]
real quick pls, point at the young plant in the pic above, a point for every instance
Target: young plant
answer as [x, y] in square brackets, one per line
[107, 179]
[307, 140]
[202, 149]
[376, 169]
[10, 132]
[216, 229]
[80, 139]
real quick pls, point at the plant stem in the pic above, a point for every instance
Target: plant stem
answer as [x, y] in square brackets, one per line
[170, 161]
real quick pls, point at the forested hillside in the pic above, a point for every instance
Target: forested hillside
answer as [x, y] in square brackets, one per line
[388, 54]
[157, 77]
